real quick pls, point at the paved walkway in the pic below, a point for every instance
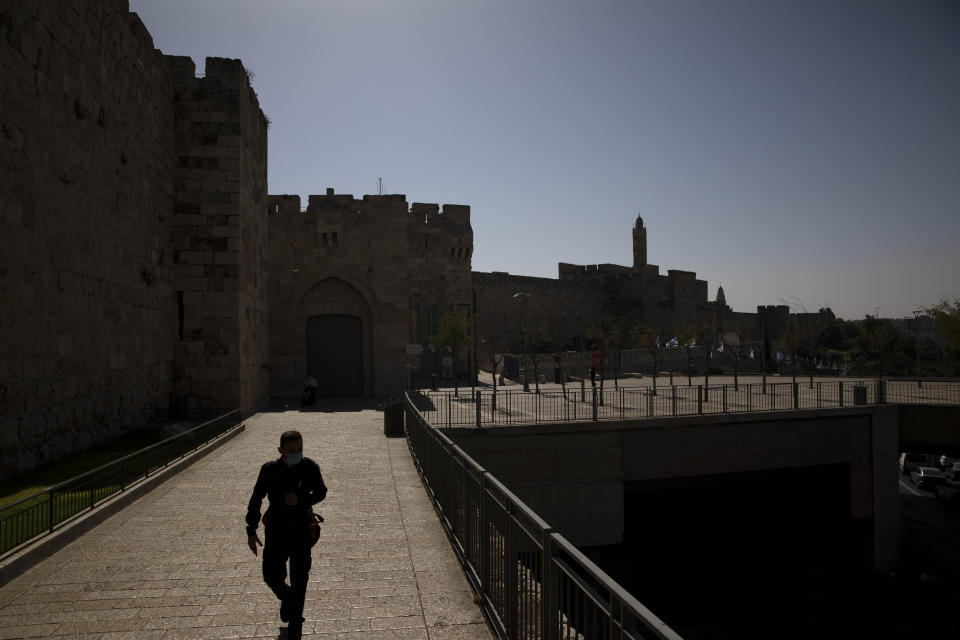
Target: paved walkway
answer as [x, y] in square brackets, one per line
[175, 564]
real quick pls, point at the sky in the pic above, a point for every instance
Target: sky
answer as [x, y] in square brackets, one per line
[803, 153]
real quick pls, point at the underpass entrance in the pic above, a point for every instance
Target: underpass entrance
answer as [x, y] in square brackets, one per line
[335, 354]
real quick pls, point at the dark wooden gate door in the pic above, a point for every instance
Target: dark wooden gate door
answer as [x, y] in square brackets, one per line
[335, 354]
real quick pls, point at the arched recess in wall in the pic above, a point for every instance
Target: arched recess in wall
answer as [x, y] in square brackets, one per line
[337, 337]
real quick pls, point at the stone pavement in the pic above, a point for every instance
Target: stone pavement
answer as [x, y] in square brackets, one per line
[174, 564]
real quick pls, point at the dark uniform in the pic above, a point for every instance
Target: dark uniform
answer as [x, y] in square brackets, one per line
[287, 527]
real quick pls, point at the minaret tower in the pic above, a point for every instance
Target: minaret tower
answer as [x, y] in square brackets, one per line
[639, 245]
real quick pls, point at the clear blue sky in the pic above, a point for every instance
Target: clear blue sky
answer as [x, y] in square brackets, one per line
[789, 151]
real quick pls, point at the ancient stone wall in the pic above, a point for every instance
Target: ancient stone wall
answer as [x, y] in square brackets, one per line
[121, 231]
[86, 180]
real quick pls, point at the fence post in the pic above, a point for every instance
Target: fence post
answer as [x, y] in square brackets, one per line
[881, 392]
[476, 399]
[536, 409]
[449, 410]
[483, 538]
[819, 395]
[92, 493]
[594, 404]
[50, 511]
[796, 396]
[724, 397]
[673, 399]
[649, 403]
[583, 391]
[700, 399]
[841, 392]
[749, 397]
[510, 567]
[548, 590]
[621, 403]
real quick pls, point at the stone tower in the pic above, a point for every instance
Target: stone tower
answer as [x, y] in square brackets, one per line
[639, 244]
[721, 298]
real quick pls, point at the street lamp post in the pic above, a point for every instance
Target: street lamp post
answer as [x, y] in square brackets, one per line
[916, 345]
[522, 297]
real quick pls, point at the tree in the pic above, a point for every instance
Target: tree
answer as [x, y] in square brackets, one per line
[453, 331]
[492, 341]
[735, 345]
[791, 339]
[707, 338]
[946, 320]
[647, 339]
[687, 338]
[880, 341]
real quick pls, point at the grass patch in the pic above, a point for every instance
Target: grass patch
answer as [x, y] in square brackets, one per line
[53, 473]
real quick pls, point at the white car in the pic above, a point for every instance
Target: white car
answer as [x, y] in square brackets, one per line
[927, 477]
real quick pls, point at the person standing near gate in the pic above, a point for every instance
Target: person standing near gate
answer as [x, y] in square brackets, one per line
[292, 484]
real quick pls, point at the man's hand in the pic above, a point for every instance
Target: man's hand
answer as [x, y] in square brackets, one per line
[252, 541]
[290, 499]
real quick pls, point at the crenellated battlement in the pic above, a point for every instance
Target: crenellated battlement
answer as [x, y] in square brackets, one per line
[456, 216]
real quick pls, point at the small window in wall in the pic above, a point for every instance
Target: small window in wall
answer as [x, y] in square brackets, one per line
[323, 239]
[453, 251]
[335, 240]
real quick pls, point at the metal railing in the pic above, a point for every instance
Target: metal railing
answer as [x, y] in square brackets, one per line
[42, 512]
[533, 582]
[448, 409]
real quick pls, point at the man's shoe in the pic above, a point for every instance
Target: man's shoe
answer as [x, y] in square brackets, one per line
[284, 610]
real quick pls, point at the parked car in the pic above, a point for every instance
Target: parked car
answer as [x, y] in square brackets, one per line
[949, 493]
[953, 472]
[910, 461]
[927, 477]
[945, 462]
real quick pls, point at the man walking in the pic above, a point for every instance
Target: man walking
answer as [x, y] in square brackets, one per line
[293, 484]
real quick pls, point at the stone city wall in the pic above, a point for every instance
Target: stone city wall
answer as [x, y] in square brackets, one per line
[86, 181]
[219, 238]
[115, 252]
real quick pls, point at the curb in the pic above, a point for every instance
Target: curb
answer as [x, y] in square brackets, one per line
[42, 548]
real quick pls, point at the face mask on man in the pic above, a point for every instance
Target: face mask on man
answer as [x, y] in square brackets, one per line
[294, 458]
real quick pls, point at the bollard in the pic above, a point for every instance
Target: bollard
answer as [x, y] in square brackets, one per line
[476, 399]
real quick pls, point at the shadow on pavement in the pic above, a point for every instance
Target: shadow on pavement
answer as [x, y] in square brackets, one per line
[327, 404]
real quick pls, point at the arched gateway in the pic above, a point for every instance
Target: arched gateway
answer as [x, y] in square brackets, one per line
[337, 347]
[335, 354]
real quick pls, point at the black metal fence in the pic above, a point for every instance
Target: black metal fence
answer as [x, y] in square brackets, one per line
[41, 513]
[533, 582]
[449, 409]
